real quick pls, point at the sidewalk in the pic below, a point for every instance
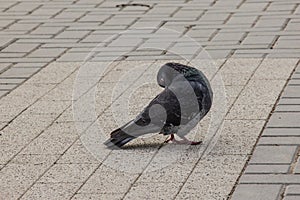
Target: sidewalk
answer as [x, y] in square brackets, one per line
[46, 153]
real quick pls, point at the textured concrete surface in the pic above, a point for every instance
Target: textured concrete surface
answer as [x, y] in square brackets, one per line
[51, 139]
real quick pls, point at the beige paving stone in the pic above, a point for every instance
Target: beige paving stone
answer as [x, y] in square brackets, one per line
[245, 111]
[49, 107]
[52, 141]
[220, 172]
[2, 125]
[19, 133]
[68, 173]
[18, 177]
[28, 94]
[54, 73]
[51, 191]
[78, 153]
[238, 137]
[261, 92]
[240, 65]
[275, 69]
[105, 180]
[153, 190]
[96, 196]
[235, 78]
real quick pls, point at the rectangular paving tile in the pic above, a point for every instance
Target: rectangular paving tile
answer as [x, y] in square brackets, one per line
[287, 108]
[279, 140]
[292, 91]
[292, 190]
[55, 191]
[19, 72]
[270, 179]
[267, 169]
[23, 48]
[68, 173]
[280, 119]
[265, 155]
[281, 132]
[47, 52]
[256, 191]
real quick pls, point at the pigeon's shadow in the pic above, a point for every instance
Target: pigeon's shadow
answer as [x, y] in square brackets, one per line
[142, 146]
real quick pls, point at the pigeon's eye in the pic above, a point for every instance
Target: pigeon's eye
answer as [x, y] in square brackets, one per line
[161, 80]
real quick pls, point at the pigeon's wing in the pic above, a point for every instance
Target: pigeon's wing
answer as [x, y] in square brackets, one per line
[163, 110]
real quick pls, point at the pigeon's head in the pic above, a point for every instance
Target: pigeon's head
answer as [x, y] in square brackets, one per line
[165, 75]
[169, 71]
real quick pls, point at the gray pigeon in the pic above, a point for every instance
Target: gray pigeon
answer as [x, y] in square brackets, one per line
[186, 99]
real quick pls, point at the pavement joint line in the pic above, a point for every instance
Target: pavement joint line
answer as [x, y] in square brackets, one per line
[262, 130]
[260, 134]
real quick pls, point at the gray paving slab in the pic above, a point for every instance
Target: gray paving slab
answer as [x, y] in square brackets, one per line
[264, 154]
[256, 191]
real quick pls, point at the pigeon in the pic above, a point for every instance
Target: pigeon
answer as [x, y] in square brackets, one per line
[187, 97]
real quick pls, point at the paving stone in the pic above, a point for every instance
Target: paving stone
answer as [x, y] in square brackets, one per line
[287, 108]
[289, 101]
[238, 136]
[207, 169]
[261, 92]
[256, 191]
[47, 52]
[258, 40]
[4, 66]
[267, 169]
[11, 80]
[279, 140]
[17, 178]
[72, 34]
[95, 196]
[23, 27]
[46, 11]
[275, 69]
[19, 72]
[292, 190]
[152, 190]
[284, 120]
[297, 167]
[106, 179]
[291, 91]
[44, 30]
[291, 197]
[73, 57]
[7, 87]
[78, 154]
[30, 65]
[51, 190]
[23, 48]
[281, 132]
[265, 155]
[245, 111]
[270, 179]
[68, 173]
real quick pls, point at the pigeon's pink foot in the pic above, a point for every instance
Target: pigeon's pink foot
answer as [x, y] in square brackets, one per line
[171, 139]
[183, 141]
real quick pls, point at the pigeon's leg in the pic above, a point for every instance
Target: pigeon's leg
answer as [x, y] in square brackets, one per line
[186, 141]
[172, 138]
[183, 141]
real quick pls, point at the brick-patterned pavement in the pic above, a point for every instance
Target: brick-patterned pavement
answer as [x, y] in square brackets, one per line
[255, 47]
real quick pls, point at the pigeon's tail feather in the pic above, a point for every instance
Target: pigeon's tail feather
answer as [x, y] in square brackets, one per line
[118, 138]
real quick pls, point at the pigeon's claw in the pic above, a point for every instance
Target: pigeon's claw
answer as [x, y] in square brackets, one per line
[183, 141]
[171, 139]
